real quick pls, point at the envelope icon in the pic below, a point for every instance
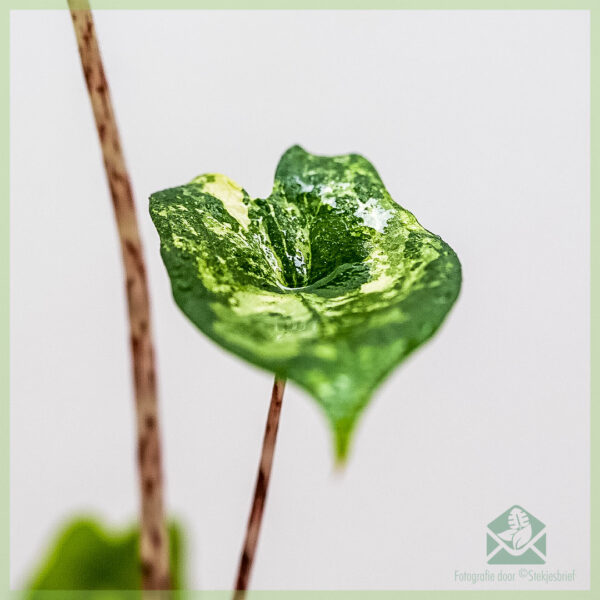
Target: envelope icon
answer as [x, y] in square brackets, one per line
[516, 537]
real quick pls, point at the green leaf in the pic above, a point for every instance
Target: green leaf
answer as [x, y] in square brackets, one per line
[86, 556]
[327, 282]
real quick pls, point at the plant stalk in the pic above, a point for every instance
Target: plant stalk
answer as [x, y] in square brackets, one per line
[154, 545]
[260, 491]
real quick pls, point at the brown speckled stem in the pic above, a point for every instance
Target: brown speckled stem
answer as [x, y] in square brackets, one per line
[260, 491]
[154, 546]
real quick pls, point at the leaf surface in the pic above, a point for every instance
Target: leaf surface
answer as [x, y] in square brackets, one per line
[327, 282]
[86, 556]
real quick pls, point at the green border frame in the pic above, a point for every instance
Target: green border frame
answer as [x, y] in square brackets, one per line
[593, 6]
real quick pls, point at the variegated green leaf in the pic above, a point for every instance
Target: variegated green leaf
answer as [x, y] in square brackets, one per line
[327, 282]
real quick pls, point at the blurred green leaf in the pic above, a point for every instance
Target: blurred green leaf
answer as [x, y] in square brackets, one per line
[87, 556]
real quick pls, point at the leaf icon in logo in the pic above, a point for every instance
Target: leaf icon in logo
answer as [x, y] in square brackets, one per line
[508, 535]
[517, 518]
[522, 537]
[520, 528]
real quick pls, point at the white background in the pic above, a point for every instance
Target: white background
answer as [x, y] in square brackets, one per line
[478, 123]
